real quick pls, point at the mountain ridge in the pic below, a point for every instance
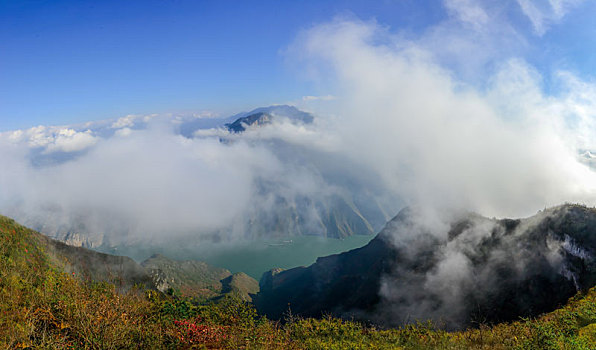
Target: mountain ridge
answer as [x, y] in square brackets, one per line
[41, 307]
[193, 278]
[514, 268]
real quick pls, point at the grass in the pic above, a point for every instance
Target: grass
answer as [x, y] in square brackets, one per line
[43, 308]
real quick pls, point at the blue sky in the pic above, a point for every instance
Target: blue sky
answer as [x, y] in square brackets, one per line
[64, 62]
[425, 101]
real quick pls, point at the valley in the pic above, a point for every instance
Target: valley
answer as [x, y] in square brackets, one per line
[53, 295]
[298, 175]
[253, 257]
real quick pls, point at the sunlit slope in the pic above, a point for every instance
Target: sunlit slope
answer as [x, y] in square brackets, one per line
[28, 246]
[192, 278]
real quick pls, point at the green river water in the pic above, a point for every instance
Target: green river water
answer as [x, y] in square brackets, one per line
[252, 257]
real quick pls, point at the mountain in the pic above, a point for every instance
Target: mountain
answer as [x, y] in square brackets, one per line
[332, 216]
[192, 278]
[266, 115]
[82, 263]
[256, 119]
[468, 271]
[241, 285]
[292, 187]
[198, 279]
[282, 111]
[43, 308]
[336, 215]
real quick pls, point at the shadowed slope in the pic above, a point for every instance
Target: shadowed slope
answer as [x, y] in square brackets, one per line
[474, 270]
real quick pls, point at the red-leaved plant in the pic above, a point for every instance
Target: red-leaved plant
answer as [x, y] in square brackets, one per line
[198, 333]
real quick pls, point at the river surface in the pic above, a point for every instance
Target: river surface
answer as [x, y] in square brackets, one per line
[251, 257]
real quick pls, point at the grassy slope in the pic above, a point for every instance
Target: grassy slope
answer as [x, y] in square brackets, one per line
[198, 279]
[43, 307]
[240, 285]
[190, 277]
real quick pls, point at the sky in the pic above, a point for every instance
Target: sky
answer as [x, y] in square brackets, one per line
[478, 105]
[65, 62]
[71, 61]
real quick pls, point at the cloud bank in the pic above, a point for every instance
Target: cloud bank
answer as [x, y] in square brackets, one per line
[406, 122]
[503, 149]
[140, 178]
[543, 14]
[447, 140]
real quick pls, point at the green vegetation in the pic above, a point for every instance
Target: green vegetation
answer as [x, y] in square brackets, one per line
[191, 278]
[43, 307]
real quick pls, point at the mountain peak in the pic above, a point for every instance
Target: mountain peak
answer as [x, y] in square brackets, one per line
[266, 115]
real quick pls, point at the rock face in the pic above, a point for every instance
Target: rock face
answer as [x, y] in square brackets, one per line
[77, 239]
[460, 273]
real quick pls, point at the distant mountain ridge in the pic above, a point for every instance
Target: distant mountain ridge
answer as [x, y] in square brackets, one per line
[480, 270]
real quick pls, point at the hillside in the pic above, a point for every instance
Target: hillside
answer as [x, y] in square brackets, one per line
[44, 308]
[477, 270]
[82, 263]
[192, 278]
[198, 279]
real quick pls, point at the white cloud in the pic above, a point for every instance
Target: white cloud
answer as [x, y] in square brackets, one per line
[318, 98]
[467, 11]
[123, 132]
[39, 136]
[399, 120]
[127, 121]
[152, 181]
[437, 142]
[502, 147]
[149, 117]
[69, 140]
[544, 14]
[16, 136]
[52, 139]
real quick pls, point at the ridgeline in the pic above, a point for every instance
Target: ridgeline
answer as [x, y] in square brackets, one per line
[50, 299]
